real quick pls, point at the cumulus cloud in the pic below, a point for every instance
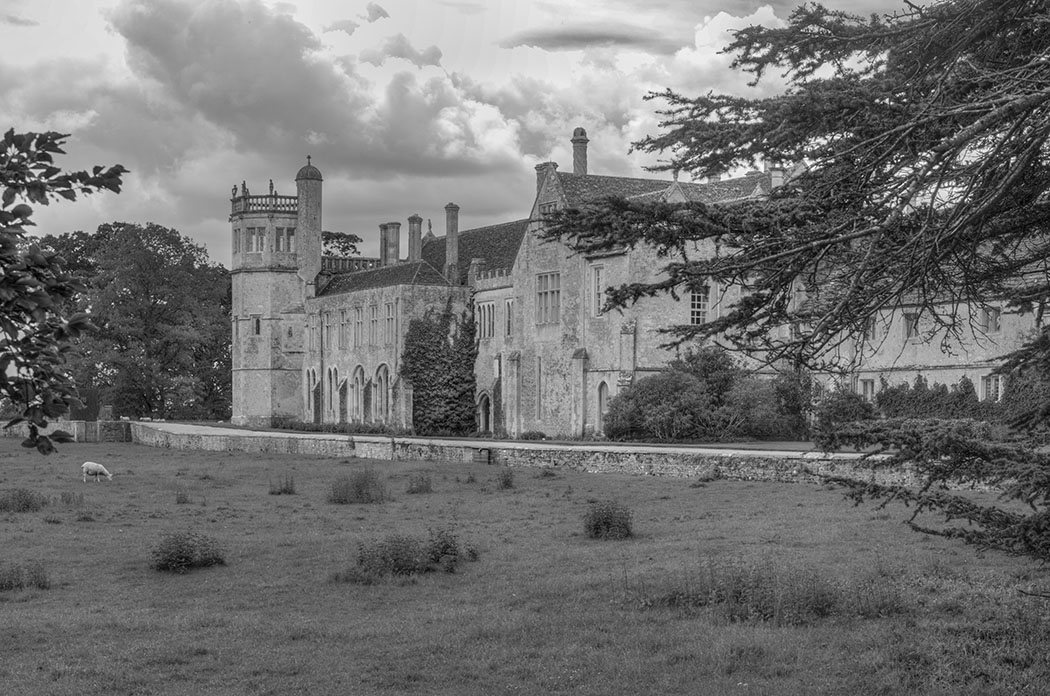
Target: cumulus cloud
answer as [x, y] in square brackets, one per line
[374, 13]
[592, 35]
[17, 21]
[347, 25]
[399, 46]
[273, 88]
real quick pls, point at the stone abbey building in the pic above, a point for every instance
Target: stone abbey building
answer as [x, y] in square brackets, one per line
[320, 338]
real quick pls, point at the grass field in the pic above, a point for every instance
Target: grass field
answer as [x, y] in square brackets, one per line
[543, 610]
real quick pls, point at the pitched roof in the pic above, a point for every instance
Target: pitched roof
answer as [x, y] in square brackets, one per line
[497, 244]
[580, 188]
[418, 273]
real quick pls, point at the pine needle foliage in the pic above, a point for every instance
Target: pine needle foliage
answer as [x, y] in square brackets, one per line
[924, 136]
[951, 457]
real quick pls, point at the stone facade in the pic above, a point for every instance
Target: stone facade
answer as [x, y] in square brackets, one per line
[320, 339]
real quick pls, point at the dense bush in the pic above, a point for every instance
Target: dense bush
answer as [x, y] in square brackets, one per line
[706, 395]
[843, 406]
[607, 519]
[533, 435]
[667, 406]
[22, 500]
[361, 486]
[22, 576]
[921, 400]
[505, 479]
[181, 551]
[401, 555]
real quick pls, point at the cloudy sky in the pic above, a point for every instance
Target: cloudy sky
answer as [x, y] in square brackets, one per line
[404, 105]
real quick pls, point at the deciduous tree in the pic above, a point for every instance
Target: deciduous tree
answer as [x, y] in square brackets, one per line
[162, 311]
[36, 331]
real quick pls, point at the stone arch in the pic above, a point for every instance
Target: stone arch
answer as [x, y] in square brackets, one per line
[381, 394]
[603, 406]
[342, 389]
[329, 390]
[357, 394]
[484, 412]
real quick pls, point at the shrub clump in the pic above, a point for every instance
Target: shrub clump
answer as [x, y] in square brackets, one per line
[285, 486]
[533, 435]
[22, 500]
[783, 596]
[18, 576]
[362, 486]
[607, 519]
[404, 556]
[843, 406]
[179, 552]
[420, 483]
[505, 479]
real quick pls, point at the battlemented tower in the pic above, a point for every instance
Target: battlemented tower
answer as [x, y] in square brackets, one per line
[276, 259]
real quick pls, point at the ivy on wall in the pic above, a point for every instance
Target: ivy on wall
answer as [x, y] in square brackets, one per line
[438, 360]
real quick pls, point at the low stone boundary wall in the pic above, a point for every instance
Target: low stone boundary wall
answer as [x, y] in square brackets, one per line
[82, 431]
[647, 460]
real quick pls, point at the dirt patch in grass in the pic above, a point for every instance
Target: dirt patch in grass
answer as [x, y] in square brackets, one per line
[545, 609]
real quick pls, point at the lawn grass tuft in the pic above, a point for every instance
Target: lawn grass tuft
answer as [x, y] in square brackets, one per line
[361, 486]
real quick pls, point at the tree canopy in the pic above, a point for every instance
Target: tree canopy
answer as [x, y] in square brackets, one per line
[341, 244]
[924, 139]
[162, 311]
[36, 328]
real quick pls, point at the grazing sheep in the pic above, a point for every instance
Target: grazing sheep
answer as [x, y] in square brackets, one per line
[96, 470]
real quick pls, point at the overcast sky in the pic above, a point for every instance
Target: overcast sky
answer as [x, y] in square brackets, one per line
[404, 105]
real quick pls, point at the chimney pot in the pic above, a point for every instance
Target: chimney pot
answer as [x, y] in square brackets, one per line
[384, 247]
[415, 238]
[579, 151]
[393, 240]
[452, 243]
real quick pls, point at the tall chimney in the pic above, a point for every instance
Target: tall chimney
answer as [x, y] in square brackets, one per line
[415, 238]
[541, 173]
[579, 151]
[452, 243]
[384, 247]
[393, 241]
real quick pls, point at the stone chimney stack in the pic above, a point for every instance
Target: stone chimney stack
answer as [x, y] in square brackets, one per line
[415, 238]
[541, 173]
[579, 151]
[393, 241]
[476, 264]
[384, 247]
[452, 243]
